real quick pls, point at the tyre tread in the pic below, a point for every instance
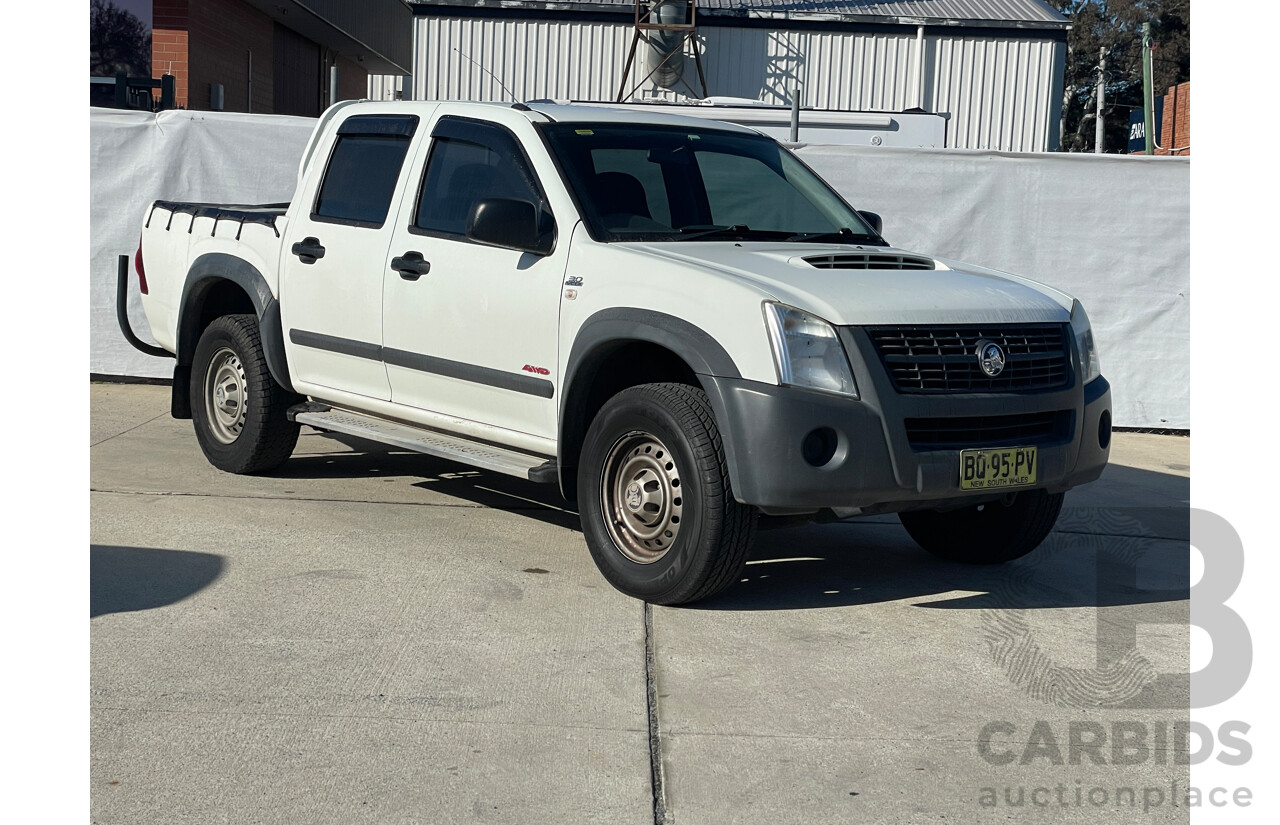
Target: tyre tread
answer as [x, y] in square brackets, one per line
[735, 521]
[276, 435]
[974, 537]
[729, 524]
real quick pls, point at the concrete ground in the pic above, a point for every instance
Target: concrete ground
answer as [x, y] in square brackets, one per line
[374, 636]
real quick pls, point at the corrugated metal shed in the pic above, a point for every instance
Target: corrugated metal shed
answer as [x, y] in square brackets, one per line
[1036, 13]
[960, 11]
[995, 67]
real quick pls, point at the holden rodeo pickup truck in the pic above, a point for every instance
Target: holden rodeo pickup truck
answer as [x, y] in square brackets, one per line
[675, 320]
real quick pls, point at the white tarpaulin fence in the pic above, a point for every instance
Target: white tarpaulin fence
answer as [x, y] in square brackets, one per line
[1055, 218]
[1050, 217]
[136, 158]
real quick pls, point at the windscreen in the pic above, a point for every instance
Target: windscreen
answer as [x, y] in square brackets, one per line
[664, 183]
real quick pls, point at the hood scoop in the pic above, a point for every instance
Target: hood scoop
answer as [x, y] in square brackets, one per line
[868, 260]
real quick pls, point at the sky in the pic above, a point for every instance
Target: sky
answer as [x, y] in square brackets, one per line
[140, 8]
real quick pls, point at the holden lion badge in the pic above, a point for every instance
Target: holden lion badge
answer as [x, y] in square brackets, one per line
[990, 357]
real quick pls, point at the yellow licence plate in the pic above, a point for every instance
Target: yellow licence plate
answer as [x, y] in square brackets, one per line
[994, 469]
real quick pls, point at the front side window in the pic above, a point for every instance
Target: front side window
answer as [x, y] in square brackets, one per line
[470, 162]
[363, 170]
[670, 183]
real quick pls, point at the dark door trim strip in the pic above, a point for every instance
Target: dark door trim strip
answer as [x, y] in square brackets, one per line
[332, 343]
[526, 384]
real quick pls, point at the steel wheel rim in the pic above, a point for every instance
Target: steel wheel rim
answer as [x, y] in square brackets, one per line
[225, 395]
[641, 497]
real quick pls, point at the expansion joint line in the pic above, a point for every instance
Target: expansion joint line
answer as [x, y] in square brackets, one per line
[655, 738]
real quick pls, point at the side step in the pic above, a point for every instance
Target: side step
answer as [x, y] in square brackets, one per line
[454, 448]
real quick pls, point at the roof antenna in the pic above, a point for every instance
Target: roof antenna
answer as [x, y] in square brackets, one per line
[486, 71]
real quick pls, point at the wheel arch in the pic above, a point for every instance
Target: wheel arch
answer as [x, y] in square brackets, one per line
[624, 347]
[220, 284]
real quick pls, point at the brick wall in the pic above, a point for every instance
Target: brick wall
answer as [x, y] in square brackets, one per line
[1175, 127]
[215, 41]
[169, 43]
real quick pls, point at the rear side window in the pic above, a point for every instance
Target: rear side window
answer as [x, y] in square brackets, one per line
[363, 169]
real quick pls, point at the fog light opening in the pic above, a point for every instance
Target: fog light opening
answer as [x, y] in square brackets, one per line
[1104, 429]
[819, 446]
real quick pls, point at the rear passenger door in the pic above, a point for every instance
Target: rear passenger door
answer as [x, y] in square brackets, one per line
[334, 248]
[475, 335]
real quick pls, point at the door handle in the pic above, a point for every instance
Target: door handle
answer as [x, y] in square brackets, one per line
[411, 266]
[308, 250]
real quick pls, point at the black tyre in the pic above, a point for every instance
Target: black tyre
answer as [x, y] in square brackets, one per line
[237, 407]
[657, 510]
[990, 533]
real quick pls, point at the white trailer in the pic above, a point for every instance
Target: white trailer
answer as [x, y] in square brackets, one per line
[912, 130]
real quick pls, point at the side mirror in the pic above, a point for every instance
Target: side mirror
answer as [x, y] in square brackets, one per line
[511, 224]
[873, 220]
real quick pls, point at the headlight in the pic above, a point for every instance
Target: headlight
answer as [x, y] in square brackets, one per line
[1089, 366]
[807, 351]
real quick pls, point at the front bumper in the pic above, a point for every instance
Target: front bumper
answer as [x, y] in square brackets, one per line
[874, 467]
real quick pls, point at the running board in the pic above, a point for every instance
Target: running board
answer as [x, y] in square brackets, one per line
[477, 454]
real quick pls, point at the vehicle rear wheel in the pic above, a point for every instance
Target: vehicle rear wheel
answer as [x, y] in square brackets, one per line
[657, 511]
[990, 533]
[237, 407]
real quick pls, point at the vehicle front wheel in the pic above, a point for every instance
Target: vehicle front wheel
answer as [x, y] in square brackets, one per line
[657, 511]
[237, 407]
[990, 533]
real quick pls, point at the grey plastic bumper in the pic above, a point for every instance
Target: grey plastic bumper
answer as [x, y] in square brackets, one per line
[873, 468]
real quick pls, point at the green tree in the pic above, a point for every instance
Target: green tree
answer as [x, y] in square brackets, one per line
[1105, 40]
[118, 41]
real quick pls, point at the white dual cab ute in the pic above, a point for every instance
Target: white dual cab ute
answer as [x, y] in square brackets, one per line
[673, 319]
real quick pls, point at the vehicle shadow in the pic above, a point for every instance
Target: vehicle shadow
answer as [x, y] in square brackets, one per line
[1121, 541]
[364, 459]
[858, 563]
[126, 579]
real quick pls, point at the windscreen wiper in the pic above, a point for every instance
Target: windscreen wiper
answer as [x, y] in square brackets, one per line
[843, 235]
[736, 231]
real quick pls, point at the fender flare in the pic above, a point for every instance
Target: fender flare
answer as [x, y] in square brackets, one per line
[607, 329]
[207, 270]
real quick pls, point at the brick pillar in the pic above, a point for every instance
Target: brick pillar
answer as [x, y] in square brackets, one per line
[169, 43]
[1175, 130]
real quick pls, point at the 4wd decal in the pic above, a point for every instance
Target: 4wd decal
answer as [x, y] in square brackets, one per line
[536, 370]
